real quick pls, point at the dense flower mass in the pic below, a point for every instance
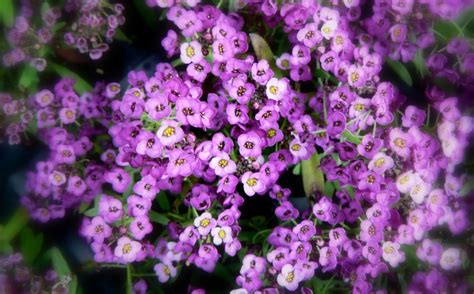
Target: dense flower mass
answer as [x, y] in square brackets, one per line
[88, 26]
[162, 165]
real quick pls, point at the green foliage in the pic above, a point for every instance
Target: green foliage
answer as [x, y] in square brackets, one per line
[59, 263]
[7, 12]
[28, 79]
[400, 70]
[30, 245]
[297, 169]
[81, 85]
[313, 178]
[158, 218]
[261, 48]
[14, 226]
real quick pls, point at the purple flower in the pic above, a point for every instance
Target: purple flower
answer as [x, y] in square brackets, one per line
[157, 108]
[223, 165]
[328, 258]
[127, 249]
[289, 277]
[205, 223]
[222, 49]
[165, 271]
[337, 237]
[253, 262]
[286, 211]
[380, 163]
[138, 206]
[429, 251]
[253, 183]
[261, 72]
[371, 231]
[44, 98]
[250, 144]
[241, 90]
[413, 117]
[237, 114]
[180, 163]
[305, 230]
[170, 133]
[110, 208]
[98, 230]
[187, 111]
[372, 252]
[140, 227]
[336, 123]
[369, 180]
[369, 146]
[279, 257]
[65, 154]
[149, 145]
[118, 178]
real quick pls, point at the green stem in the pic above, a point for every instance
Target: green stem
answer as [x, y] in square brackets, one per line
[129, 279]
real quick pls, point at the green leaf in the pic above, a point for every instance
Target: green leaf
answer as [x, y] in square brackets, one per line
[7, 12]
[400, 70]
[297, 169]
[91, 212]
[120, 36]
[28, 78]
[30, 245]
[177, 62]
[420, 65]
[60, 265]
[158, 218]
[445, 30]
[467, 188]
[72, 286]
[163, 202]
[81, 85]
[351, 137]
[14, 225]
[148, 15]
[58, 26]
[261, 48]
[328, 189]
[313, 178]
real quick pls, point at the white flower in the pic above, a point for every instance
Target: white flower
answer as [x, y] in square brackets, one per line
[451, 259]
[221, 235]
[405, 181]
[419, 191]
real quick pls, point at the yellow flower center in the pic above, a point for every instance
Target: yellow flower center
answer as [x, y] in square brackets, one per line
[290, 277]
[127, 248]
[223, 163]
[273, 90]
[252, 182]
[205, 222]
[169, 131]
[190, 51]
[379, 162]
[221, 234]
[399, 142]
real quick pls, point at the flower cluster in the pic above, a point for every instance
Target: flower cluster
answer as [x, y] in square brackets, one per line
[17, 277]
[226, 121]
[28, 39]
[74, 170]
[33, 35]
[95, 25]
